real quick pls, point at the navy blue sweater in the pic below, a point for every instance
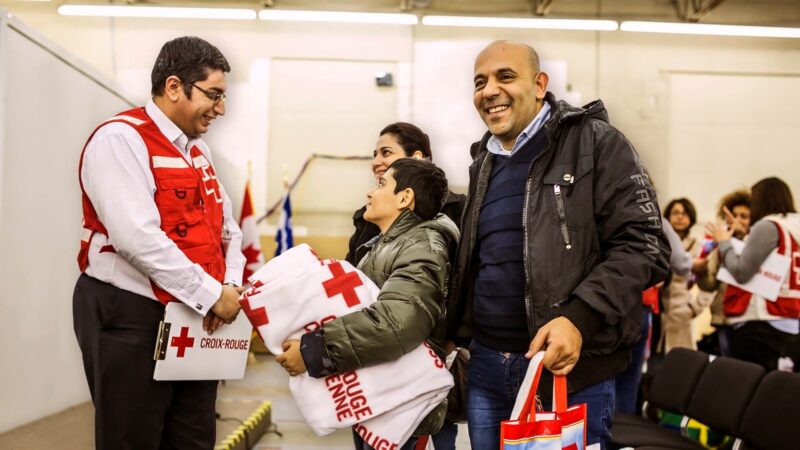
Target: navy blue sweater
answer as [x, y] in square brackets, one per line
[499, 304]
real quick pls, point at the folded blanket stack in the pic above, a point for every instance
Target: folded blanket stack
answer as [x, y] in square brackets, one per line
[296, 293]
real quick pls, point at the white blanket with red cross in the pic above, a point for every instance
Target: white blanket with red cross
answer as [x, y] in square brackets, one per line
[297, 293]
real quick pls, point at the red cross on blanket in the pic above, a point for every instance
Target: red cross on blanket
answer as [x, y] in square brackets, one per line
[257, 316]
[344, 283]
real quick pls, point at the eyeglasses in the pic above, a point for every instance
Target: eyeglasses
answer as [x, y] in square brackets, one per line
[214, 96]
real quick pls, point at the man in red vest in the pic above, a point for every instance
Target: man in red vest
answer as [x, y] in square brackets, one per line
[157, 228]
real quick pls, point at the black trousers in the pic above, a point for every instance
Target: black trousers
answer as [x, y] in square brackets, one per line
[761, 343]
[116, 332]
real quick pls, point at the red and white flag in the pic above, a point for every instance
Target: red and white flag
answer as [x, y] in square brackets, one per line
[251, 245]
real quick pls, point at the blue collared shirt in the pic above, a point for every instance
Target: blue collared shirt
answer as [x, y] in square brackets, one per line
[496, 147]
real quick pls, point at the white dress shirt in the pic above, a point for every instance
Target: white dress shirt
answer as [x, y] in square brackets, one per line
[117, 179]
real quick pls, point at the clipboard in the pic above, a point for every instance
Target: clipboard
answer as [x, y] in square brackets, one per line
[184, 351]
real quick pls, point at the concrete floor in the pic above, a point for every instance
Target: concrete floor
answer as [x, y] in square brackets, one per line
[73, 428]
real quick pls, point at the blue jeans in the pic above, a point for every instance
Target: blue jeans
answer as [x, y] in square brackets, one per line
[446, 438]
[361, 445]
[493, 383]
[627, 382]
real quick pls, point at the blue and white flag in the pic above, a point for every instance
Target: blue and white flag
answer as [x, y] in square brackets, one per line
[284, 234]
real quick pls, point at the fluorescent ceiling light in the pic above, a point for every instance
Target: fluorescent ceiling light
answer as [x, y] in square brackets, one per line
[708, 29]
[156, 11]
[510, 22]
[337, 16]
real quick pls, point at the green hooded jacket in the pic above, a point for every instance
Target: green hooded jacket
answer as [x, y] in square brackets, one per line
[410, 264]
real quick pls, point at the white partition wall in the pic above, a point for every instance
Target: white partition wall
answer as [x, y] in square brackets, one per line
[49, 103]
[735, 127]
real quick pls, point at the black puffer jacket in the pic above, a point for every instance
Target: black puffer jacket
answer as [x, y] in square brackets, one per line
[593, 239]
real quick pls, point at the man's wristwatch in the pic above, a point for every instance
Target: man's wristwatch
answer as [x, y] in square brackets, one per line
[230, 283]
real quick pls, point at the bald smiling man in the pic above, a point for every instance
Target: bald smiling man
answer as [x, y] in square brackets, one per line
[561, 234]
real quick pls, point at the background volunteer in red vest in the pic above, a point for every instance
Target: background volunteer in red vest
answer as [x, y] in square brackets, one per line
[737, 203]
[157, 228]
[763, 330]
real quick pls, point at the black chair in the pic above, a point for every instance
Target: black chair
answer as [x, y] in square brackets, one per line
[723, 394]
[719, 400]
[772, 417]
[672, 386]
[772, 420]
[672, 391]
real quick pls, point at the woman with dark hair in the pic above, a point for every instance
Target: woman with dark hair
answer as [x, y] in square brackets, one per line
[397, 140]
[738, 204]
[680, 305]
[682, 215]
[762, 329]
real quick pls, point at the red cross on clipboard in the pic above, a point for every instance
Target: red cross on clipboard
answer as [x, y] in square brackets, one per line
[182, 342]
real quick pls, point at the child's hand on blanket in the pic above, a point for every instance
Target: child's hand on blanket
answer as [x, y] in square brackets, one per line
[292, 359]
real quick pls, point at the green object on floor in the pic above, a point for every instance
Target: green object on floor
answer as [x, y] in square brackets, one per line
[695, 431]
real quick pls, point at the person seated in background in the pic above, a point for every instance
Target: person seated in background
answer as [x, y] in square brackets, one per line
[737, 205]
[397, 140]
[409, 262]
[762, 329]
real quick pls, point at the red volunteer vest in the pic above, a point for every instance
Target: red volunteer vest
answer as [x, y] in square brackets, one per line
[737, 300]
[188, 198]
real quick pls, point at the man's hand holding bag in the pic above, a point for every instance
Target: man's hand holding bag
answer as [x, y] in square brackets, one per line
[562, 429]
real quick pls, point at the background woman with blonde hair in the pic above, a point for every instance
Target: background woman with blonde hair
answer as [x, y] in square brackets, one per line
[738, 204]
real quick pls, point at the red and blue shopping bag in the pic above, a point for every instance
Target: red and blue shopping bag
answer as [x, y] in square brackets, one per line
[562, 429]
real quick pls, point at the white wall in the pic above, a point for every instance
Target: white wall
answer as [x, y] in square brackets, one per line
[749, 136]
[633, 74]
[635, 78]
[40, 223]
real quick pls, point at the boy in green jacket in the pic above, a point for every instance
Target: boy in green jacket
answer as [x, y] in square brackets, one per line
[409, 262]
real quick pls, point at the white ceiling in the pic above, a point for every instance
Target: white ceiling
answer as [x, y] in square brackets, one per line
[745, 12]
[740, 12]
